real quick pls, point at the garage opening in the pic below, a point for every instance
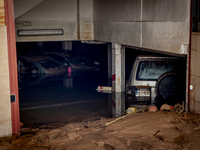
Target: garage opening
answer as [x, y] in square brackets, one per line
[58, 86]
[49, 100]
[154, 78]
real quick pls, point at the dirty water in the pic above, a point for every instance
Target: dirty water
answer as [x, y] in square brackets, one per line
[56, 103]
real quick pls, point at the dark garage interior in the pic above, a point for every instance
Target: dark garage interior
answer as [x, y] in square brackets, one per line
[53, 101]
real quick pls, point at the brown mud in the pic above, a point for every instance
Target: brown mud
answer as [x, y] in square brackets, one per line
[139, 131]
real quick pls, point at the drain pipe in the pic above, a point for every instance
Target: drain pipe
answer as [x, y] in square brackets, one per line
[189, 55]
[78, 19]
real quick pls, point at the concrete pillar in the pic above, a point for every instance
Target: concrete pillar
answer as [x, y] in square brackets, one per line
[67, 45]
[118, 103]
[109, 64]
[118, 67]
[110, 76]
[118, 79]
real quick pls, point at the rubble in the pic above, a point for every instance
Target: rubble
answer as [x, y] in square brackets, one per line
[159, 130]
[152, 109]
[166, 107]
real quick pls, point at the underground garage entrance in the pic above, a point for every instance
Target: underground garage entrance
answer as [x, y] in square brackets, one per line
[51, 101]
[44, 20]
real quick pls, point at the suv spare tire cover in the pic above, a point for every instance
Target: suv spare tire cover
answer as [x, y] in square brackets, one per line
[170, 85]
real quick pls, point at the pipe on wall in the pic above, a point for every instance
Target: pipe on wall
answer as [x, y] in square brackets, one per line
[189, 55]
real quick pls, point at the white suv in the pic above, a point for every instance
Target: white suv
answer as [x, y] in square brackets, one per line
[154, 78]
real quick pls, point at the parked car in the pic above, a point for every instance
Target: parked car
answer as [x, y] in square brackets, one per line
[25, 79]
[39, 64]
[155, 80]
[76, 62]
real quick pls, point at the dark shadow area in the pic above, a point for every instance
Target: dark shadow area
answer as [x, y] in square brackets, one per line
[50, 101]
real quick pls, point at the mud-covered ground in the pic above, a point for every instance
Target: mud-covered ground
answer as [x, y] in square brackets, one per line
[139, 131]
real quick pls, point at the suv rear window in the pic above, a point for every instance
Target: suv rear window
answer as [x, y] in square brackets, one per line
[151, 70]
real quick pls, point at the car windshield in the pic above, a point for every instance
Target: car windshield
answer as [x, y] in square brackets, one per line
[73, 60]
[151, 70]
[48, 63]
[57, 57]
[82, 59]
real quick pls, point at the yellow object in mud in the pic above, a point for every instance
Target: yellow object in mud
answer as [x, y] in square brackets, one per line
[130, 110]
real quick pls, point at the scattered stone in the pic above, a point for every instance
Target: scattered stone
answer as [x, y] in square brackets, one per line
[100, 143]
[73, 136]
[153, 109]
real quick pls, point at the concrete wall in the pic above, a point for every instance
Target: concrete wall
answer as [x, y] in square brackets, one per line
[195, 74]
[47, 14]
[86, 20]
[75, 17]
[153, 24]
[5, 107]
